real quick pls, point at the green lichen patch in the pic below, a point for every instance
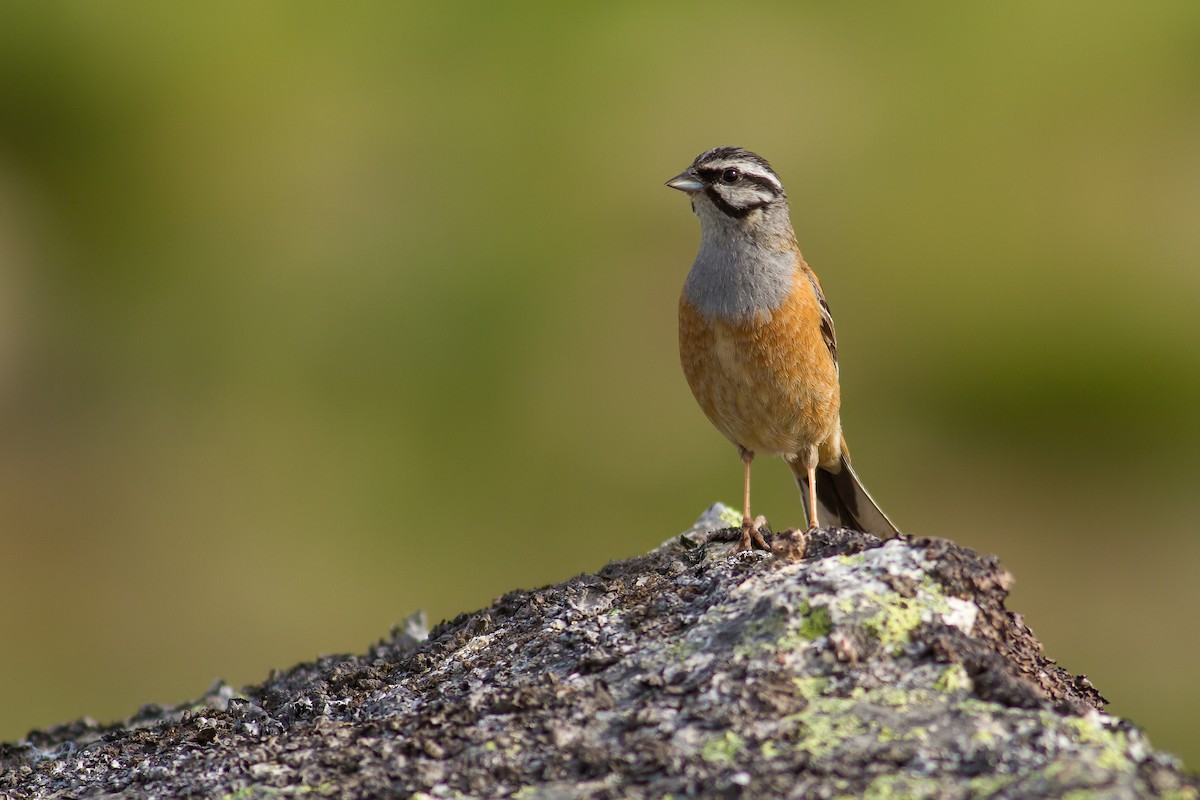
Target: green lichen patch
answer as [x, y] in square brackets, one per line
[908, 787]
[815, 623]
[811, 686]
[1111, 744]
[864, 720]
[761, 634]
[898, 616]
[1182, 793]
[913, 787]
[954, 679]
[723, 749]
[895, 619]
[827, 723]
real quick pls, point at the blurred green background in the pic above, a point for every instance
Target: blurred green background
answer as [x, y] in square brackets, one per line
[312, 315]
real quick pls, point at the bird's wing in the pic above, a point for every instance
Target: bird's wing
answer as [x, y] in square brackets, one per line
[827, 330]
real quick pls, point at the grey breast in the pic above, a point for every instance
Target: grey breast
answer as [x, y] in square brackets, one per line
[735, 280]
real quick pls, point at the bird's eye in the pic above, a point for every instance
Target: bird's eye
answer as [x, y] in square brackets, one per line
[730, 175]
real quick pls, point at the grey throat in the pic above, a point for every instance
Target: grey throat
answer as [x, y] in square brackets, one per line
[736, 276]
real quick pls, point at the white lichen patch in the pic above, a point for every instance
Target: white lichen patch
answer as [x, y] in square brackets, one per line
[811, 599]
[715, 517]
[960, 614]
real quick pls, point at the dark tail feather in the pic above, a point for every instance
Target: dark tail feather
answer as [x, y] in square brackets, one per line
[843, 501]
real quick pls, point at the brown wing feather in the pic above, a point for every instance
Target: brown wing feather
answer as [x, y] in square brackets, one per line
[827, 330]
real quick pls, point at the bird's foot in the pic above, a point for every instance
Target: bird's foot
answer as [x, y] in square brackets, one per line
[751, 535]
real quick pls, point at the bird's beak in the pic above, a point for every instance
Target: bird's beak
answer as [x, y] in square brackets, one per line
[686, 181]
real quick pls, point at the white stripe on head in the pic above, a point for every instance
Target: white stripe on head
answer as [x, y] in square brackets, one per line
[747, 167]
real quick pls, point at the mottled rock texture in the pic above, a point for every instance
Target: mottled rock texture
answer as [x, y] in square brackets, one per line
[863, 669]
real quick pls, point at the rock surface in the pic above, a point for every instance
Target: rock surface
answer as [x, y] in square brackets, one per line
[872, 670]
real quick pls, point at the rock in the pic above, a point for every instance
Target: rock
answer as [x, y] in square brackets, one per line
[864, 668]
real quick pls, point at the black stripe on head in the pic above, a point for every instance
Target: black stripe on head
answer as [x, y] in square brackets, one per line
[732, 154]
[754, 168]
[727, 209]
[713, 174]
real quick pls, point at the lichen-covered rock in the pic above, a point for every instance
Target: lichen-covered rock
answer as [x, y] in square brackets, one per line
[862, 669]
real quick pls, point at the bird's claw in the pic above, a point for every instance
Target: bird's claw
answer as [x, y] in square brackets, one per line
[751, 535]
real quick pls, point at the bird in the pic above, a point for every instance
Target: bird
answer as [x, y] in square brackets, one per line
[758, 346]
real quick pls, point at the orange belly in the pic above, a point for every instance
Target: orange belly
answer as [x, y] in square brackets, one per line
[769, 384]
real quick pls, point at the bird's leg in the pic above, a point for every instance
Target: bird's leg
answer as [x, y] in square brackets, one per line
[747, 458]
[750, 525]
[812, 496]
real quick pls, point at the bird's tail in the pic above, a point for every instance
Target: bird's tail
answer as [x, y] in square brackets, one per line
[843, 501]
